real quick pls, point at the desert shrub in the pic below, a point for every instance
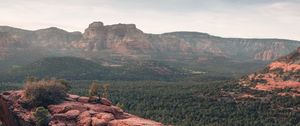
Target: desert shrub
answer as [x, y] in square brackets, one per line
[120, 105]
[263, 81]
[278, 71]
[44, 92]
[105, 93]
[65, 83]
[94, 89]
[42, 116]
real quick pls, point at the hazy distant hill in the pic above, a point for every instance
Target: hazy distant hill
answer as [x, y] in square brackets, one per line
[122, 43]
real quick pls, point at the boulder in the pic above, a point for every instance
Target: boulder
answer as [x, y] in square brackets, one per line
[99, 122]
[84, 119]
[105, 116]
[72, 114]
[74, 97]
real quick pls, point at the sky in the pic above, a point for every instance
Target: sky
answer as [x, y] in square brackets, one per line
[227, 18]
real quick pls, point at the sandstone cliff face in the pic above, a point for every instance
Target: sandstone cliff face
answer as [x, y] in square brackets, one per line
[240, 49]
[121, 38]
[75, 111]
[283, 73]
[128, 41]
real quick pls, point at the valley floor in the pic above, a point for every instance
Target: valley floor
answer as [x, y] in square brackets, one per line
[193, 103]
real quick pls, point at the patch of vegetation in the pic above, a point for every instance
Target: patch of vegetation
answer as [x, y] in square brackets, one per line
[195, 103]
[73, 68]
[190, 103]
[44, 92]
[94, 89]
[42, 116]
[99, 90]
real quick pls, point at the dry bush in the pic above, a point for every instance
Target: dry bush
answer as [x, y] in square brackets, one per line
[42, 116]
[45, 92]
[94, 89]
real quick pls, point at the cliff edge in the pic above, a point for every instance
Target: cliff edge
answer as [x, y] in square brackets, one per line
[73, 111]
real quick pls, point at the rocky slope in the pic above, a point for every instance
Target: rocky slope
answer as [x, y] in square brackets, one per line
[74, 111]
[282, 74]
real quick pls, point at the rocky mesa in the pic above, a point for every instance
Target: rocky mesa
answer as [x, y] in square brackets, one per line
[129, 41]
[74, 111]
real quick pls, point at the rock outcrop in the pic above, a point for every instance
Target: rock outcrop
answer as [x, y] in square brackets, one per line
[74, 111]
[282, 74]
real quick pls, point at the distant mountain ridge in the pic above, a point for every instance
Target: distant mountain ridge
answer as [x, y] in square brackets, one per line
[73, 68]
[127, 40]
[120, 43]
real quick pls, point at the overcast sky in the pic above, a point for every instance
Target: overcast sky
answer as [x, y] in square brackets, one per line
[227, 18]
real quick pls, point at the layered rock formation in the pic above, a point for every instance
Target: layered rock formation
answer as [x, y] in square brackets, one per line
[74, 111]
[128, 41]
[282, 74]
[122, 44]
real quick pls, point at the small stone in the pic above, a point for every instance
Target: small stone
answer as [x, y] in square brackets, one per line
[75, 97]
[94, 99]
[59, 116]
[92, 112]
[105, 101]
[84, 99]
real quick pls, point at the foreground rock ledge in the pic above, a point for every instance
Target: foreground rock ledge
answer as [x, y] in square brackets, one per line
[74, 111]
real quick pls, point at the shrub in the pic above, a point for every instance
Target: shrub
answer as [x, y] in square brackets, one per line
[120, 105]
[42, 116]
[105, 93]
[94, 89]
[65, 83]
[45, 92]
